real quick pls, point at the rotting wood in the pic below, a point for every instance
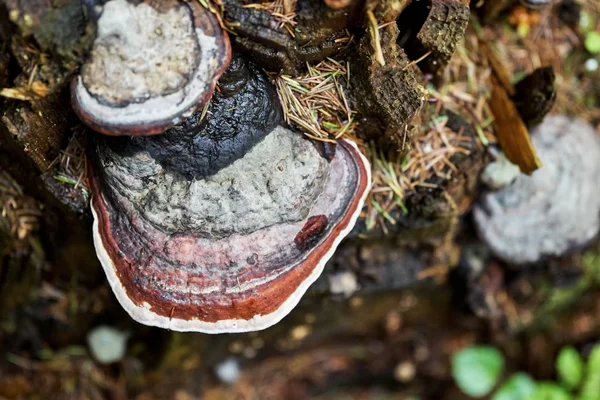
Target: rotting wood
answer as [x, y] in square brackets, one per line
[45, 42]
[442, 31]
[390, 94]
[387, 79]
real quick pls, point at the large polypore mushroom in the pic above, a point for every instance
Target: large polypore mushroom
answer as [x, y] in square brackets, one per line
[152, 65]
[554, 210]
[221, 224]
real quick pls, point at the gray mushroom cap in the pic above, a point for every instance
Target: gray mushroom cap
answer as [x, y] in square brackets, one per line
[554, 210]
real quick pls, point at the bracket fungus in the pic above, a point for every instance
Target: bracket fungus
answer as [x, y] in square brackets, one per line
[221, 224]
[152, 65]
[557, 208]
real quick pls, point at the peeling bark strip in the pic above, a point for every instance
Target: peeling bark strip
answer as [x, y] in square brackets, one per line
[442, 31]
[511, 129]
[512, 132]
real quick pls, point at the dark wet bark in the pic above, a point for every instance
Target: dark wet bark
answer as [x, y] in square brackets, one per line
[535, 95]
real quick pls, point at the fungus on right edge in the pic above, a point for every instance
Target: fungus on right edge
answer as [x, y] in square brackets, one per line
[557, 208]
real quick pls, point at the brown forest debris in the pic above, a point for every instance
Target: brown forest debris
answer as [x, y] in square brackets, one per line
[21, 256]
[433, 183]
[4, 68]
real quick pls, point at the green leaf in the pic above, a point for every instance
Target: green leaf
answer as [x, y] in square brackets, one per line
[594, 360]
[520, 386]
[592, 42]
[570, 367]
[550, 391]
[591, 384]
[476, 369]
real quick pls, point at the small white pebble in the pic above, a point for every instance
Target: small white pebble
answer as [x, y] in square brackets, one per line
[405, 372]
[300, 332]
[591, 65]
[343, 283]
[107, 344]
[228, 371]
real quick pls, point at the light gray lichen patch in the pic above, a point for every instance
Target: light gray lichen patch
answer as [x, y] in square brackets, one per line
[275, 182]
[554, 210]
[141, 53]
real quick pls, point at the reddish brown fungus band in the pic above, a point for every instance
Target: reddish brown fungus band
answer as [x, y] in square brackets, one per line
[253, 308]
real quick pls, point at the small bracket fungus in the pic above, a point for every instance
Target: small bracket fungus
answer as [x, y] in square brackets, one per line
[152, 65]
[554, 210]
[230, 248]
